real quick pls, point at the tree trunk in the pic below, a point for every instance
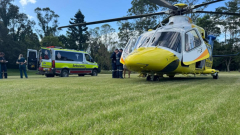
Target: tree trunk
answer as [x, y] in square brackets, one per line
[228, 62]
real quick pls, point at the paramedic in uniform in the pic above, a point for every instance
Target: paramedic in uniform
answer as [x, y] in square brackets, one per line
[3, 65]
[0, 65]
[119, 64]
[22, 66]
[114, 66]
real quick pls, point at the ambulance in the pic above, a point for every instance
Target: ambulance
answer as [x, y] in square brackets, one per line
[55, 61]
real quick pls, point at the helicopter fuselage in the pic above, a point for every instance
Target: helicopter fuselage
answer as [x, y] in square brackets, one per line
[177, 48]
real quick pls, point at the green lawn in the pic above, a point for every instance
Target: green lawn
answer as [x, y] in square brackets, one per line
[101, 105]
[15, 72]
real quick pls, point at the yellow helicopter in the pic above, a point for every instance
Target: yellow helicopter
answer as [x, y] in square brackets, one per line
[179, 47]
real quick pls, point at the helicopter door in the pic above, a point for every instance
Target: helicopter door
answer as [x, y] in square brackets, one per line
[32, 59]
[195, 49]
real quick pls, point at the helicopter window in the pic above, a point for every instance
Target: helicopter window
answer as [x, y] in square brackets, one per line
[170, 40]
[138, 42]
[192, 40]
[146, 40]
[130, 45]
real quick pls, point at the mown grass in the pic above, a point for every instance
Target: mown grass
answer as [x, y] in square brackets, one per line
[101, 105]
[15, 72]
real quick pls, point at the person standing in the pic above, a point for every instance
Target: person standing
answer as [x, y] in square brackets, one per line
[0, 65]
[114, 66]
[22, 65]
[4, 66]
[124, 71]
[119, 64]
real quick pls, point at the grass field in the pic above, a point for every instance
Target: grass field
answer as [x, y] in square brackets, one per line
[101, 105]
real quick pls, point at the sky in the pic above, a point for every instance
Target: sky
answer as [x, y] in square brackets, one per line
[92, 9]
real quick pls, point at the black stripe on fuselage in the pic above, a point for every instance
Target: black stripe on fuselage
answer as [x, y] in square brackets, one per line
[171, 67]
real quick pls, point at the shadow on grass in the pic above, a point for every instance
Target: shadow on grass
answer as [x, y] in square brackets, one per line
[177, 79]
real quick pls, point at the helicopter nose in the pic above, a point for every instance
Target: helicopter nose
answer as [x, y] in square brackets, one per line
[152, 59]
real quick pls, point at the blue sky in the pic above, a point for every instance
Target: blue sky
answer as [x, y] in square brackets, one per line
[92, 9]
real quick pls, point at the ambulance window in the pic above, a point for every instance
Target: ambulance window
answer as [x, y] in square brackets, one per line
[78, 57]
[68, 56]
[45, 54]
[192, 40]
[32, 55]
[88, 58]
[63, 56]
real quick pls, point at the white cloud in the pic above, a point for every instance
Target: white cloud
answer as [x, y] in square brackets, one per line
[30, 17]
[25, 2]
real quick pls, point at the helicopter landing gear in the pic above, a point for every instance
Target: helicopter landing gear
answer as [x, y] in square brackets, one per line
[215, 75]
[153, 77]
[149, 78]
[171, 76]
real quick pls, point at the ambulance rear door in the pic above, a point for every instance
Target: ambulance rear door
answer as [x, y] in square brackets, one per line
[32, 59]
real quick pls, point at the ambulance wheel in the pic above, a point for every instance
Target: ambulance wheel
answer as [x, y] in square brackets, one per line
[94, 72]
[64, 73]
[47, 75]
[81, 75]
[215, 76]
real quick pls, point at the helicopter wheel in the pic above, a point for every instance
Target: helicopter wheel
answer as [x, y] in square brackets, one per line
[171, 76]
[149, 78]
[156, 78]
[215, 76]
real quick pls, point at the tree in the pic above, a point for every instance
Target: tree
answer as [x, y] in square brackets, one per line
[230, 25]
[126, 31]
[108, 36]
[8, 11]
[143, 7]
[65, 41]
[209, 24]
[16, 32]
[51, 41]
[48, 22]
[78, 35]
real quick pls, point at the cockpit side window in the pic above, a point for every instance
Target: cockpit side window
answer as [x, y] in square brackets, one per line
[171, 40]
[130, 45]
[192, 40]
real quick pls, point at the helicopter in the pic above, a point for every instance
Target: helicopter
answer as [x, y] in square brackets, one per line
[178, 47]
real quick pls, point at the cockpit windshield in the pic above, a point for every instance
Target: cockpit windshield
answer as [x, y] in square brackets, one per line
[146, 40]
[171, 40]
[130, 45]
[143, 40]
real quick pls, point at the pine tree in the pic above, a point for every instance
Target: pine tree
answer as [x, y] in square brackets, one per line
[78, 35]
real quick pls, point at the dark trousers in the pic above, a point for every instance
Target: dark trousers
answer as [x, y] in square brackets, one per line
[0, 71]
[120, 71]
[4, 70]
[22, 68]
[114, 70]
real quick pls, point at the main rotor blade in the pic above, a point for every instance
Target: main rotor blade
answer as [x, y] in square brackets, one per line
[113, 20]
[204, 4]
[164, 3]
[227, 55]
[224, 13]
